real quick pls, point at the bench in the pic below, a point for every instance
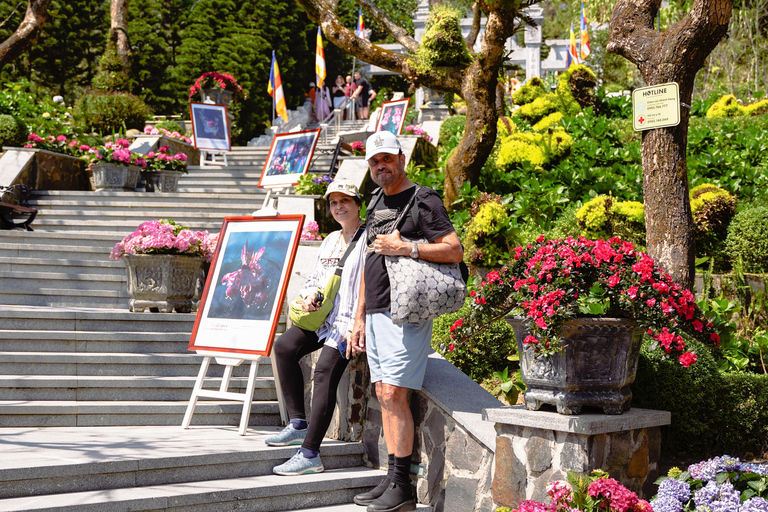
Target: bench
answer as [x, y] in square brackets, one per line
[16, 215]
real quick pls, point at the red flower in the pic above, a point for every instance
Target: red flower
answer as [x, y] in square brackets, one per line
[687, 359]
[614, 280]
[698, 325]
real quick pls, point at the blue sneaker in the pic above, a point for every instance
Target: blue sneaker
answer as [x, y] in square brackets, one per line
[290, 435]
[299, 465]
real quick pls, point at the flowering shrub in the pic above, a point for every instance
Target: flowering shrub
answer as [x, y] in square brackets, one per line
[358, 148]
[416, 130]
[311, 232]
[58, 144]
[166, 237]
[162, 161]
[149, 130]
[595, 493]
[214, 80]
[312, 185]
[722, 484]
[115, 152]
[552, 281]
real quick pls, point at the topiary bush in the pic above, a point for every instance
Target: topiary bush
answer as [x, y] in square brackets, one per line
[536, 149]
[605, 217]
[729, 106]
[171, 126]
[13, 132]
[452, 126]
[481, 355]
[748, 239]
[713, 209]
[745, 414]
[442, 43]
[108, 112]
[486, 234]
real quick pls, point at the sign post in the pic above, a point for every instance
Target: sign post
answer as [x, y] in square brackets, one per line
[657, 106]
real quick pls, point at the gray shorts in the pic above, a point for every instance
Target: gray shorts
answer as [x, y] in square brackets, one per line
[397, 354]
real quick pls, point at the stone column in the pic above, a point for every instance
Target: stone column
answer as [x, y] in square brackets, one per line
[533, 42]
[534, 448]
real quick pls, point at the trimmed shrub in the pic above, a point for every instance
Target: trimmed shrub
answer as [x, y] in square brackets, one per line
[481, 355]
[171, 126]
[454, 125]
[486, 237]
[111, 74]
[605, 217]
[748, 239]
[576, 89]
[729, 106]
[109, 112]
[13, 132]
[547, 121]
[505, 127]
[713, 209]
[442, 43]
[745, 414]
[532, 89]
[536, 149]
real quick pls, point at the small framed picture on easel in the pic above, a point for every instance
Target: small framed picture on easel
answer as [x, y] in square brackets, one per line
[289, 158]
[210, 126]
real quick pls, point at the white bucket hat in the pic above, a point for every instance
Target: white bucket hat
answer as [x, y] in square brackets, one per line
[343, 186]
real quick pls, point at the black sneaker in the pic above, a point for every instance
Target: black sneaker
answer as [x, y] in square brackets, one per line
[366, 497]
[394, 499]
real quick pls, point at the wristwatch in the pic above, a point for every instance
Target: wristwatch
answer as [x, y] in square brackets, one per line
[415, 250]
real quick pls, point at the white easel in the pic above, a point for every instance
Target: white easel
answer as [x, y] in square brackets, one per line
[213, 153]
[230, 363]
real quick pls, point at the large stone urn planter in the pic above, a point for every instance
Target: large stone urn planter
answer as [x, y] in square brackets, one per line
[596, 367]
[161, 181]
[109, 176]
[163, 282]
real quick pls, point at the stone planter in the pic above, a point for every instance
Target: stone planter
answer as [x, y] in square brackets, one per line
[597, 366]
[108, 176]
[145, 143]
[42, 170]
[161, 181]
[163, 282]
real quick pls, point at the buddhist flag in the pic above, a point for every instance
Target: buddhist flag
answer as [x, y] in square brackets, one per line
[573, 56]
[584, 35]
[275, 89]
[360, 24]
[320, 60]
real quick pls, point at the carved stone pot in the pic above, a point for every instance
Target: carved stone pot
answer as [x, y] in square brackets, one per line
[108, 176]
[596, 368]
[161, 181]
[163, 282]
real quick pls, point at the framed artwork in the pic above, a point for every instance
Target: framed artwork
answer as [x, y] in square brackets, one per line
[392, 116]
[210, 126]
[244, 293]
[288, 158]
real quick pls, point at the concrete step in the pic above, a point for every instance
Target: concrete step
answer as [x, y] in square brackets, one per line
[64, 299]
[117, 468]
[352, 507]
[14, 340]
[119, 388]
[55, 413]
[35, 318]
[20, 266]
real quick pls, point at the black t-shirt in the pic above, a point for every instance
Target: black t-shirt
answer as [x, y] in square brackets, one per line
[363, 97]
[433, 223]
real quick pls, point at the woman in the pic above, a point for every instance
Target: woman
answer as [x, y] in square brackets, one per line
[339, 92]
[332, 337]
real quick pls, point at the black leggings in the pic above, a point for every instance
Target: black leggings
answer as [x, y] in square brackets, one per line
[289, 348]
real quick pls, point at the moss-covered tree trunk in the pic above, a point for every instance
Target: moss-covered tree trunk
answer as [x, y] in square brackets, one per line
[474, 81]
[671, 56]
[26, 35]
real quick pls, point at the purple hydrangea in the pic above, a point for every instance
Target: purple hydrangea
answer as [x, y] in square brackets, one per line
[705, 470]
[754, 505]
[666, 504]
[676, 489]
[704, 496]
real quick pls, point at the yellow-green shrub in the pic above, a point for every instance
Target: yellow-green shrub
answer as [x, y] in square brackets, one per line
[486, 235]
[605, 217]
[548, 121]
[729, 106]
[536, 149]
[442, 43]
[505, 127]
[575, 89]
[537, 109]
[713, 209]
[532, 89]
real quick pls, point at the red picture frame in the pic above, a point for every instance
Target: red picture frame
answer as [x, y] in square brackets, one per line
[392, 116]
[289, 157]
[246, 285]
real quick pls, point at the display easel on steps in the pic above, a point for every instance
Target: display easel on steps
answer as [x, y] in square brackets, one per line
[230, 363]
[204, 153]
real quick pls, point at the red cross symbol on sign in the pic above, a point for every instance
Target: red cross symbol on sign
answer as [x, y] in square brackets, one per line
[641, 119]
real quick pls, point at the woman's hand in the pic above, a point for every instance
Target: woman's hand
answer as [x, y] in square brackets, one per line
[308, 304]
[348, 341]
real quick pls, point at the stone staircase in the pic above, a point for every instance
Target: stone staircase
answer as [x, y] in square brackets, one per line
[92, 396]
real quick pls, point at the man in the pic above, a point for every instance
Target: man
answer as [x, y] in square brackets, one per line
[364, 94]
[397, 354]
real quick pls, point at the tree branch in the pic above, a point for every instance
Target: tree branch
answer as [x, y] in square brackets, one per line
[27, 33]
[399, 33]
[471, 38]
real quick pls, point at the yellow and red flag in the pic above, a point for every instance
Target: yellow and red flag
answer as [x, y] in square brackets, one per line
[360, 24]
[584, 50]
[320, 60]
[275, 89]
[573, 55]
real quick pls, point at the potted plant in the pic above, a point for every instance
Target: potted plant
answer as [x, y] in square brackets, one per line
[155, 137]
[582, 308]
[163, 170]
[221, 88]
[114, 166]
[55, 162]
[164, 261]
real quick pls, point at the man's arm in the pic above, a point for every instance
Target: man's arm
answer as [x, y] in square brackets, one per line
[445, 249]
[357, 344]
[357, 91]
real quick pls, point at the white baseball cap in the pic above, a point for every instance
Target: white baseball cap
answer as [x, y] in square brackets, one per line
[382, 142]
[343, 186]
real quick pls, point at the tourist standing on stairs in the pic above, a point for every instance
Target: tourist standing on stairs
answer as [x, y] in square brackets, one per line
[363, 93]
[339, 92]
[397, 354]
[344, 202]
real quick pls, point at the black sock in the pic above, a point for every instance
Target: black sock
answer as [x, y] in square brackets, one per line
[402, 470]
[390, 466]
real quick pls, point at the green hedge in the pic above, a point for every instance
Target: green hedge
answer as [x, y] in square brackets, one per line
[110, 112]
[712, 412]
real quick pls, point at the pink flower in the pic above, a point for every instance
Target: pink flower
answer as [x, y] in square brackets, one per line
[613, 280]
[687, 359]
[61, 138]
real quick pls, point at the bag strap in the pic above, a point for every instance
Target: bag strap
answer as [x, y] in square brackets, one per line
[351, 246]
[411, 202]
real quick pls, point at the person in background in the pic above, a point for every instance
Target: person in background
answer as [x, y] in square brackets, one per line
[363, 95]
[338, 92]
[311, 93]
[323, 102]
[397, 354]
[344, 201]
[350, 89]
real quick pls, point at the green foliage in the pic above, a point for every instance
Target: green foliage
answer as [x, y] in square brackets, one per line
[532, 89]
[486, 234]
[452, 127]
[575, 89]
[442, 43]
[511, 385]
[12, 131]
[480, 356]
[171, 126]
[111, 74]
[748, 239]
[535, 149]
[109, 112]
[729, 106]
[605, 217]
[712, 209]
[745, 414]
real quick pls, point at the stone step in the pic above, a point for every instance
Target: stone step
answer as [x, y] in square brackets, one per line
[120, 388]
[352, 507]
[104, 364]
[13, 340]
[64, 299]
[21, 266]
[75, 247]
[74, 279]
[126, 225]
[138, 199]
[54, 413]
[15, 317]
[52, 463]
